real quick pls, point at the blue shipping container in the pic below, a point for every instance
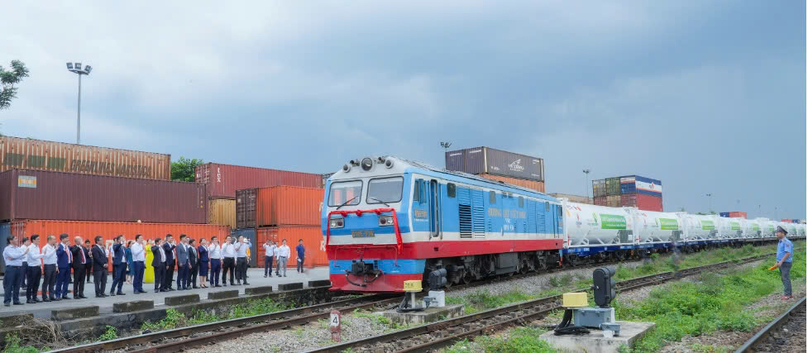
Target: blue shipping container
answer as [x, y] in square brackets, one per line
[630, 184]
[724, 214]
[248, 233]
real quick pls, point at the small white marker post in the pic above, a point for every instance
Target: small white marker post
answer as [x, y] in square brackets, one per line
[335, 325]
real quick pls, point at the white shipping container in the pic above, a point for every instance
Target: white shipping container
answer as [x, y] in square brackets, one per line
[590, 225]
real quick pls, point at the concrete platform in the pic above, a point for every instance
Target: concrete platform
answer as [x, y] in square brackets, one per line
[594, 342]
[425, 316]
[256, 278]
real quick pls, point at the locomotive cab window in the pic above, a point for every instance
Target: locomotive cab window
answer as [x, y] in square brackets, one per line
[347, 193]
[385, 190]
[521, 201]
[451, 190]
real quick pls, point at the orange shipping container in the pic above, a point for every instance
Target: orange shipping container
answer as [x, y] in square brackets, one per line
[288, 205]
[530, 184]
[22, 153]
[109, 230]
[313, 241]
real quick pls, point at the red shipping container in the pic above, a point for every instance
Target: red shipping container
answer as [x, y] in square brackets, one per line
[38, 194]
[245, 208]
[628, 200]
[649, 203]
[738, 215]
[223, 180]
[288, 205]
[600, 200]
[313, 241]
[109, 230]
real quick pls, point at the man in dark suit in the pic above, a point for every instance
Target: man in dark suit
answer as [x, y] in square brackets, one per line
[118, 265]
[100, 260]
[80, 259]
[89, 269]
[168, 249]
[193, 256]
[159, 264]
[183, 264]
[64, 259]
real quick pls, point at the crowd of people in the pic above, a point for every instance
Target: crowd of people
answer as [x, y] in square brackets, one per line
[197, 265]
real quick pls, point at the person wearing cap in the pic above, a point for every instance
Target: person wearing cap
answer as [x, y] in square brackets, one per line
[784, 250]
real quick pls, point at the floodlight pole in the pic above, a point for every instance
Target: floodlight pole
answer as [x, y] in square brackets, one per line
[78, 117]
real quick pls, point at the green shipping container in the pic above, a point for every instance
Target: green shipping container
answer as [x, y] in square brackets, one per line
[599, 187]
[612, 186]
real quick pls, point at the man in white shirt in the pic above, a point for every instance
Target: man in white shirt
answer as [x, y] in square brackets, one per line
[269, 254]
[13, 254]
[139, 260]
[229, 254]
[283, 257]
[215, 261]
[49, 260]
[34, 270]
[241, 259]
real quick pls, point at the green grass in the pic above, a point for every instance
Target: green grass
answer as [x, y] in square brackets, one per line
[712, 303]
[519, 340]
[175, 319]
[12, 345]
[110, 334]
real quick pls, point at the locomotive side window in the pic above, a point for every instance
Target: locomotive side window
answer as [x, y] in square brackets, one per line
[492, 197]
[546, 207]
[385, 190]
[345, 193]
[521, 201]
[416, 193]
[451, 190]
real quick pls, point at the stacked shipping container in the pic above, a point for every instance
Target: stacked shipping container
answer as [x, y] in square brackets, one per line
[628, 191]
[735, 214]
[223, 180]
[507, 167]
[284, 212]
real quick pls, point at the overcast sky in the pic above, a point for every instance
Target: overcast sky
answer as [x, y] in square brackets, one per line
[708, 96]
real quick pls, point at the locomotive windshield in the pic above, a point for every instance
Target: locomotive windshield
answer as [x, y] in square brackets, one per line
[385, 190]
[345, 192]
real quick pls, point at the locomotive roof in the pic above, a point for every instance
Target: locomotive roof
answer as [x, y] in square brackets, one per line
[431, 168]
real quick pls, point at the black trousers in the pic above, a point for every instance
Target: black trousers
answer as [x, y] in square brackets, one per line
[89, 270]
[34, 273]
[194, 273]
[229, 265]
[100, 279]
[168, 278]
[49, 282]
[159, 278]
[24, 274]
[241, 267]
[78, 280]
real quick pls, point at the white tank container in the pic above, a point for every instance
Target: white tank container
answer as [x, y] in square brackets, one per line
[591, 225]
[766, 227]
[655, 227]
[729, 228]
[754, 230]
[697, 227]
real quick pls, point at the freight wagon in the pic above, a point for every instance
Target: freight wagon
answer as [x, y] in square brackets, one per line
[23, 153]
[39, 194]
[388, 220]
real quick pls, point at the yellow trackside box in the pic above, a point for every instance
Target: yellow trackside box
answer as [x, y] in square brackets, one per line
[574, 300]
[412, 286]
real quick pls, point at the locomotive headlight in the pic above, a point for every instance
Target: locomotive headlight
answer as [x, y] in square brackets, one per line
[367, 163]
[388, 163]
[385, 221]
[337, 223]
[346, 168]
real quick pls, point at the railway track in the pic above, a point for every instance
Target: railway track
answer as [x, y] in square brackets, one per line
[444, 333]
[191, 336]
[773, 337]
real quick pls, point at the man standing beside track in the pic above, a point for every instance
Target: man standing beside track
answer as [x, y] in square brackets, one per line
[118, 266]
[80, 260]
[215, 261]
[241, 259]
[159, 264]
[139, 259]
[13, 254]
[282, 254]
[229, 254]
[64, 261]
[100, 259]
[269, 254]
[49, 260]
[168, 249]
[34, 270]
[784, 250]
[183, 263]
[89, 268]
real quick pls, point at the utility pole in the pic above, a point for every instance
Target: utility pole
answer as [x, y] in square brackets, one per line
[586, 173]
[710, 198]
[76, 69]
